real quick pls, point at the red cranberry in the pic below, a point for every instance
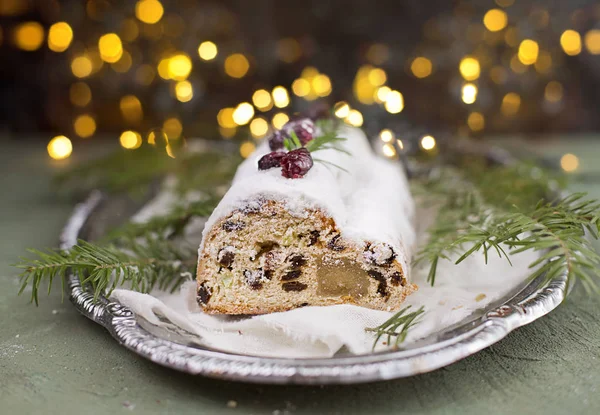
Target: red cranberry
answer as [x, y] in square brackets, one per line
[304, 128]
[296, 163]
[276, 140]
[270, 160]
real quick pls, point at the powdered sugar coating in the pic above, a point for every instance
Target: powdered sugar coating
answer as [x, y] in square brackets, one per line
[369, 199]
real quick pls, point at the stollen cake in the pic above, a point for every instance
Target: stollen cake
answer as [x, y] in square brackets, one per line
[296, 228]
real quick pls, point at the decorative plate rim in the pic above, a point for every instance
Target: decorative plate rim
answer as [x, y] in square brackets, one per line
[535, 300]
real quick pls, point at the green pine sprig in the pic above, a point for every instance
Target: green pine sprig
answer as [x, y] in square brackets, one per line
[396, 327]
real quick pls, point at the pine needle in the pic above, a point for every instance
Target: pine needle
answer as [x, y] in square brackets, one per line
[396, 327]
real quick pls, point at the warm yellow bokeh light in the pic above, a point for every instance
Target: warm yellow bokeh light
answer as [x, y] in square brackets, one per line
[84, 126]
[144, 74]
[569, 162]
[495, 20]
[129, 30]
[469, 68]
[262, 100]
[421, 67]
[381, 94]
[207, 51]
[528, 51]
[389, 151]
[225, 118]
[321, 85]
[571, 42]
[29, 36]
[123, 64]
[354, 118]
[60, 147]
[149, 11]
[378, 53]
[184, 92]
[259, 127]
[227, 132]
[110, 47]
[301, 87]
[592, 41]
[60, 36]
[469, 93]
[288, 50]
[386, 135]
[130, 140]
[279, 120]
[510, 104]
[476, 121]
[131, 109]
[517, 66]
[281, 99]
[247, 148]
[377, 76]
[243, 113]
[172, 128]
[179, 67]
[341, 109]
[81, 66]
[394, 102]
[236, 65]
[553, 91]
[80, 94]
[427, 143]
[544, 62]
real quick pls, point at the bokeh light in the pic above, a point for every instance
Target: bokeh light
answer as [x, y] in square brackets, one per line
[29, 36]
[207, 51]
[80, 94]
[394, 102]
[476, 121]
[469, 68]
[259, 127]
[592, 41]
[172, 128]
[355, 118]
[301, 87]
[389, 151]
[130, 140]
[60, 36]
[341, 109]
[179, 67]
[386, 135]
[281, 98]
[60, 147]
[569, 162]
[84, 126]
[495, 20]
[510, 104]
[225, 118]
[236, 65]
[243, 113]
[110, 47]
[131, 109]
[571, 42]
[427, 143]
[469, 93]
[553, 91]
[149, 11]
[184, 92]
[81, 66]
[279, 120]
[528, 51]
[421, 67]
[262, 100]
[247, 148]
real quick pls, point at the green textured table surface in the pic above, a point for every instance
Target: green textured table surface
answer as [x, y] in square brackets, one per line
[53, 360]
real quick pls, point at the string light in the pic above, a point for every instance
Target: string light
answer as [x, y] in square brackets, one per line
[553, 91]
[495, 20]
[131, 109]
[592, 41]
[29, 36]
[60, 147]
[394, 102]
[570, 41]
[354, 118]
[476, 121]
[130, 140]
[569, 162]
[387, 136]
[236, 65]
[184, 92]
[421, 67]
[207, 51]
[84, 126]
[110, 47]
[510, 104]
[469, 93]
[60, 36]
[469, 68]
[279, 120]
[149, 11]
[179, 67]
[243, 113]
[341, 109]
[81, 66]
[246, 149]
[259, 127]
[172, 128]
[528, 51]
[427, 143]
[80, 94]
[262, 100]
[280, 97]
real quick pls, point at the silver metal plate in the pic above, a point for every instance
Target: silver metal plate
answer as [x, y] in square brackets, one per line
[524, 305]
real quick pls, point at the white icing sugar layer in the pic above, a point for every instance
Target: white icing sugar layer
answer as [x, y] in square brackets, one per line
[368, 197]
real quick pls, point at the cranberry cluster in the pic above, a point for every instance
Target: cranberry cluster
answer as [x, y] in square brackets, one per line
[295, 163]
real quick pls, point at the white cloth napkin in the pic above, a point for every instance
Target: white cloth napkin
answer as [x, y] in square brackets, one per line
[311, 332]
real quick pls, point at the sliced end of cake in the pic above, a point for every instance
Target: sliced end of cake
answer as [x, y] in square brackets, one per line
[295, 260]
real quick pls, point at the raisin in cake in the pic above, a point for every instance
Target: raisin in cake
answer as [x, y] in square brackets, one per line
[338, 233]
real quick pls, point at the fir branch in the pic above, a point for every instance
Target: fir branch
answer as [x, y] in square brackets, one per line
[326, 141]
[396, 326]
[141, 267]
